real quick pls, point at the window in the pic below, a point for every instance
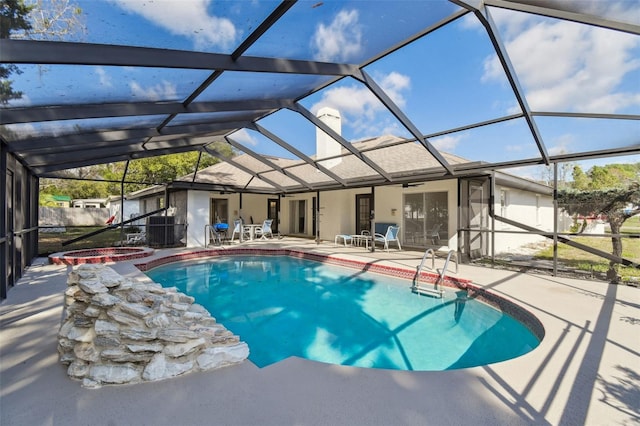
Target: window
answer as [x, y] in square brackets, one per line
[218, 213]
[426, 218]
[504, 202]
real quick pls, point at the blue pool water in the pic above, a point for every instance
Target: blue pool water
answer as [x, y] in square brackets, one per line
[283, 306]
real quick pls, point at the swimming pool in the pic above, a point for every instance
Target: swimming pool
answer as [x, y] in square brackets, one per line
[283, 306]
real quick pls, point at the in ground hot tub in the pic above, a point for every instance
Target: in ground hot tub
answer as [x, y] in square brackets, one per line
[99, 255]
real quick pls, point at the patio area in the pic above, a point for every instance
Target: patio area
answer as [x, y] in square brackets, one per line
[585, 371]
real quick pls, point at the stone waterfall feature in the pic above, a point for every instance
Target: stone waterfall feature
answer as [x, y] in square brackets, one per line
[118, 331]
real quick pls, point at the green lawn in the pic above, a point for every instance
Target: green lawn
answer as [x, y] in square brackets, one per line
[631, 225]
[581, 260]
[50, 242]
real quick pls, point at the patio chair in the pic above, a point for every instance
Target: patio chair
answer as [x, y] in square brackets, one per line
[136, 238]
[390, 236]
[243, 233]
[346, 239]
[265, 232]
[434, 234]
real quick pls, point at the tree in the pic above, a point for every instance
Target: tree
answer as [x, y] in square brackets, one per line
[57, 19]
[13, 17]
[580, 179]
[612, 191]
[546, 174]
[167, 168]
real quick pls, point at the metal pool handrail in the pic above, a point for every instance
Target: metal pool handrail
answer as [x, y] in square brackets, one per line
[435, 291]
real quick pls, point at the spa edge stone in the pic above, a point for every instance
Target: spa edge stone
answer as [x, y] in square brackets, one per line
[116, 330]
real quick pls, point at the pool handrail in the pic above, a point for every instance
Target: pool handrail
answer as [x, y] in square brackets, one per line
[433, 291]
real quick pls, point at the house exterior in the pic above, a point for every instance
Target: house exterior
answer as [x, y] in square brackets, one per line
[457, 208]
[63, 201]
[89, 203]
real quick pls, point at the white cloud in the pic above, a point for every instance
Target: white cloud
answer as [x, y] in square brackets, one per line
[394, 84]
[448, 143]
[359, 107]
[190, 19]
[103, 77]
[160, 92]
[244, 137]
[15, 132]
[24, 101]
[341, 40]
[561, 145]
[566, 66]
[514, 148]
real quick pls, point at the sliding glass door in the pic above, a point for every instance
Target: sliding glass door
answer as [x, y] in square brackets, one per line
[426, 219]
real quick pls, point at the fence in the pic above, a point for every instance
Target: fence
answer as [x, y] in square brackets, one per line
[60, 216]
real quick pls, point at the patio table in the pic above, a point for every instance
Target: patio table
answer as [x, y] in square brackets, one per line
[359, 238]
[252, 230]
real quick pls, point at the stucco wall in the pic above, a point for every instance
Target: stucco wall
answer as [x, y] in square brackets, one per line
[522, 207]
[337, 213]
[254, 205]
[197, 217]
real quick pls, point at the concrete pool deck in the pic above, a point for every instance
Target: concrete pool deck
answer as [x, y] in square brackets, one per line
[585, 371]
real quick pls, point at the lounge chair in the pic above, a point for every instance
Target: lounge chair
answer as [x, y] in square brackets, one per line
[265, 232]
[345, 239]
[390, 236]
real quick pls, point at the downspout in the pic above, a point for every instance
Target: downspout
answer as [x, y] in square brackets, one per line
[317, 217]
[372, 218]
[240, 214]
[166, 216]
[459, 219]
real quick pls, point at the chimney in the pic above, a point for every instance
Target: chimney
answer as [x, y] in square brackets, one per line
[325, 145]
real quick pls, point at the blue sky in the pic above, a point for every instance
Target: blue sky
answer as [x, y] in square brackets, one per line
[448, 79]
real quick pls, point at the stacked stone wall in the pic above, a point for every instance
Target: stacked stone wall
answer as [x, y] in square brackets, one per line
[120, 331]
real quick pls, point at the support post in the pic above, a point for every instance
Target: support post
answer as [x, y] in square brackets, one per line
[317, 218]
[372, 219]
[492, 206]
[124, 177]
[555, 219]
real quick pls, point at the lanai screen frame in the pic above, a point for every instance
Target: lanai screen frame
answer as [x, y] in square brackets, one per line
[50, 155]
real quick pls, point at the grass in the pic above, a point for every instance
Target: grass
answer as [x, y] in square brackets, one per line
[51, 242]
[631, 225]
[574, 258]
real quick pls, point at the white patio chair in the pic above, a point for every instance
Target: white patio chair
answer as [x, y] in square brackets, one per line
[242, 232]
[136, 238]
[390, 236]
[265, 232]
[434, 234]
